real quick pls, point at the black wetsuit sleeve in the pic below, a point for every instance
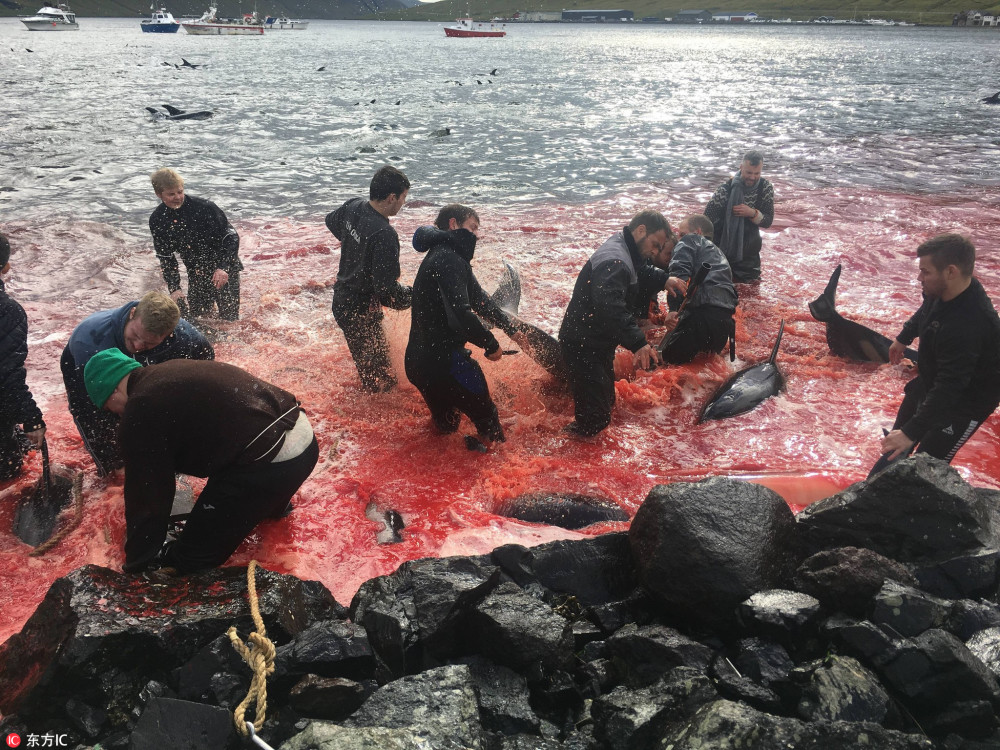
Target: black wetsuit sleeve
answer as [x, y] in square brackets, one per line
[609, 294]
[682, 262]
[956, 352]
[228, 253]
[165, 255]
[911, 328]
[455, 281]
[384, 251]
[335, 222]
[17, 406]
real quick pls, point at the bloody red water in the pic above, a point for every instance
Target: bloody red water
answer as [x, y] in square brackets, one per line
[821, 435]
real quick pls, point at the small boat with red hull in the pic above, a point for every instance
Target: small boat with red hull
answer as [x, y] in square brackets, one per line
[468, 28]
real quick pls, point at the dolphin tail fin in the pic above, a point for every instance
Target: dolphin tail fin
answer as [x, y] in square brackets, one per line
[824, 307]
[777, 343]
[508, 292]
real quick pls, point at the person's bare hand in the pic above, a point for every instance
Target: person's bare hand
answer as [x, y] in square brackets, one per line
[896, 443]
[896, 351]
[35, 437]
[646, 358]
[220, 278]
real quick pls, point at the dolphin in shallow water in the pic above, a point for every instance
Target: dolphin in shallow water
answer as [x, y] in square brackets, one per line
[568, 510]
[747, 388]
[846, 338]
[173, 113]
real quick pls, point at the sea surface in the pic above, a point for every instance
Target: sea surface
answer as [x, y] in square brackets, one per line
[874, 138]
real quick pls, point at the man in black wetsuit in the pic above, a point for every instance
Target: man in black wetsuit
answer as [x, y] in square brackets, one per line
[17, 407]
[198, 231]
[368, 277]
[739, 209]
[958, 358]
[446, 300]
[706, 323]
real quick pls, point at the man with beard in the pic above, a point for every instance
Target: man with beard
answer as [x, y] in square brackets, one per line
[958, 358]
[739, 209]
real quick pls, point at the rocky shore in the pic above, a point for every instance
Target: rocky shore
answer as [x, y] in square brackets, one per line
[720, 620]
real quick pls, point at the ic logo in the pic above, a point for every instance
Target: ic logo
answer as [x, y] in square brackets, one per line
[13, 740]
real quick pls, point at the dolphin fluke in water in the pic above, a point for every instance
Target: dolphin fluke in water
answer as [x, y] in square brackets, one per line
[508, 292]
[172, 113]
[747, 388]
[846, 338]
[568, 510]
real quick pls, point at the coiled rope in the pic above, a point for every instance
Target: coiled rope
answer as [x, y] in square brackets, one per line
[258, 652]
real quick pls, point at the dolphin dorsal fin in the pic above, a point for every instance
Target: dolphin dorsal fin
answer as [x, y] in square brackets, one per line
[777, 343]
[831, 285]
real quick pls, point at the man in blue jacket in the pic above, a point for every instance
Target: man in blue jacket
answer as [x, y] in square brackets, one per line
[958, 358]
[17, 407]
[150, 331]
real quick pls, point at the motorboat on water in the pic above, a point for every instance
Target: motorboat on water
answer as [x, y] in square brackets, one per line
[284, 24]
[49, 18]
[161, 22]
[468, 28]
[209, 25]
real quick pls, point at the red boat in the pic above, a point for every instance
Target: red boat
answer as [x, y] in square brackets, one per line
[468, 28]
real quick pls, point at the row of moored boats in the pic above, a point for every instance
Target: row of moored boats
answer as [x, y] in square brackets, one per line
[61, 18]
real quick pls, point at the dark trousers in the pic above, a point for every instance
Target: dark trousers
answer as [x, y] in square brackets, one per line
[453, 384]
[592, 380]
[943, 442]
[11, 452]
[202, 295]
[747, 269]
[366, 339]
[231, 505]
[97, 427]
[700, 329]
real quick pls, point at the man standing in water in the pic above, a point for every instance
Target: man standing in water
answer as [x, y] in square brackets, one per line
[599, 318]
[150, 331]
[17, 407]
[250, 439]
[368, 277]
[739, 209]
[198, 231]
[958, 358]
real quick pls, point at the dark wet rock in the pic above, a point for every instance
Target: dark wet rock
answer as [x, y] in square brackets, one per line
[517, 630]
[859, 638]
[841, 689]
[613, 616]
[725, 724]
[321, 734]
[969, 617]
[415, 616]
[559, 702]
[985, 646]
[737, 687]
[908, 611]
[524, 742]
[646, 653]
[968, 575]
[599, 676]
[635, 718]
[704, 547]
[332, 698]
[917, 509]
[438, 706]
[503, 697]
[846, 579]
[595, 570]
[332, 648]
[763, 662]
[593, 650]
[585, 632]
[216, 675]
[99, 636]
[88, 719]
[170, 723]
[783, 616]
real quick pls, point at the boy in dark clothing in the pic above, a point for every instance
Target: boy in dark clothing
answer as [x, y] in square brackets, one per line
[958, 358]
[368, 277]
[250, 439]
[706, 323]
[446, 300]
[17, 407]
[198, 231]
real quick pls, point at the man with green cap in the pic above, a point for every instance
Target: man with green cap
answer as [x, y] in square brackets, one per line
[208, 419]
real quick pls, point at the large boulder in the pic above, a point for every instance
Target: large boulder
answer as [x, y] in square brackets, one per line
[704, 547]
[99, 636]
[917, 509]
[841, 689]
[847, 578]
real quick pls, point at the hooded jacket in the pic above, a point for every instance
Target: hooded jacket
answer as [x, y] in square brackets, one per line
[16, 403]
[717, 289]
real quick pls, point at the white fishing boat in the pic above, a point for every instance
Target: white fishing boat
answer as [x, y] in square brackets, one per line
[284, 24]
[467, 28]
[58, 18]
[161, 22]
[209, 25]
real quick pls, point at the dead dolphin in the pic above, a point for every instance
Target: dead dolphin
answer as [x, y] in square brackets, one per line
[508, 292]
[173, 113]
[392, 524]
[567, 510]
[747, 388]
[846, 338]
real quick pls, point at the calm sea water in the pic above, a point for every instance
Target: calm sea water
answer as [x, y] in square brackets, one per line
[874, 139]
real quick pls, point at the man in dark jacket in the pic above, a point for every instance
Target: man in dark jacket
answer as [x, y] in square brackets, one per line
[150, 331]
[599, 318]
[446, 300]
[739, 209]
[368, 278]
[17, 407]
[706, 323]
[250, 439]
[198, 231]
[958, 358]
